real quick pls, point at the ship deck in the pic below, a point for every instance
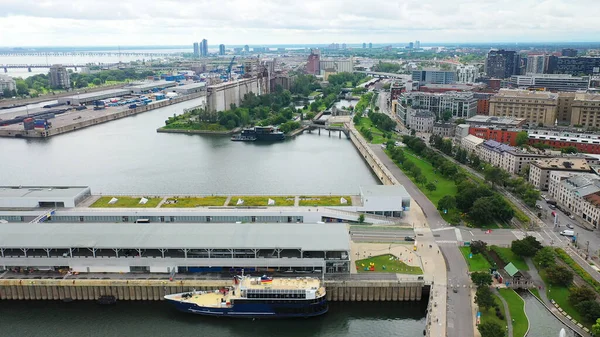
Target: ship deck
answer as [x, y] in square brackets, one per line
[282, 283]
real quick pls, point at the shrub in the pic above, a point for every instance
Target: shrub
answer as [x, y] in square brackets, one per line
[577, 268]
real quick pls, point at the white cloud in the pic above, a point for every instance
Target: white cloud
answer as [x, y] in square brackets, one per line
[181, 22]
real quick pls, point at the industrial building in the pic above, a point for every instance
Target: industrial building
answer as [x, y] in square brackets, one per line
[48, 196]
[191, 88]
[144, 88]
[221, 96]
[433, 76]
[156, 248]
[91, 97]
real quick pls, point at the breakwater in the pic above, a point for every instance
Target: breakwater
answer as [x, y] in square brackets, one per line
[155, 290]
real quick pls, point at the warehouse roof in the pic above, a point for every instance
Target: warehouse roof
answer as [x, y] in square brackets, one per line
[97, 94]
[384, 191]
[191, 85]
[41, 191]
[153, 84]
[321, 237]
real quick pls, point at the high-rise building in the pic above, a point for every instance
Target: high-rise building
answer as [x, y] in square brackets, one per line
[343, 46]
[410, 45]
[502, 63]
[247, 48]
[370, 45]
[59, 77]
[364, 45]
[467, 73]
[196, 50]
[574, 65]
[336, 65]
[221, 49]
[536, 64]
[204, 48]
[417, 44]
[569, 52]
[433, 76]
[313, 66]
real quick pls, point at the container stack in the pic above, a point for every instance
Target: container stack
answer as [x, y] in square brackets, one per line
[28, 124]
[41, 124]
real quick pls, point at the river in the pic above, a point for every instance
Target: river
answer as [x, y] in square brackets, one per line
[129, 156]
[138, 319]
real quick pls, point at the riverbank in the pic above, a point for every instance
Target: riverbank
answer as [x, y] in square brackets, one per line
[200, 132]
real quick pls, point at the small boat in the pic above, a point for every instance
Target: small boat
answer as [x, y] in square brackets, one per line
[257, 297]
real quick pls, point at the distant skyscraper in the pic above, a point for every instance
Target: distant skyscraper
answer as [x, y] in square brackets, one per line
[221, 49]
[196, 50]
[364, 45]
[569, 52]
[502, 63]
[247, 48]
[411, 45]
[204, 48]
[343, 46]
[370, 45]
[536, 64]
[417, 44]
[59, 77]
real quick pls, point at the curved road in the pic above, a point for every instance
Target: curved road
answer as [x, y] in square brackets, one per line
[459, 319]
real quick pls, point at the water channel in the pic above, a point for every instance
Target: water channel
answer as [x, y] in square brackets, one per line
[541, 321]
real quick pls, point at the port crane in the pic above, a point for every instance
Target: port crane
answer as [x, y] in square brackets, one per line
[229, 69]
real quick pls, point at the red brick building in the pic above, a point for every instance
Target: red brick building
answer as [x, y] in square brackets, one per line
[506, 136]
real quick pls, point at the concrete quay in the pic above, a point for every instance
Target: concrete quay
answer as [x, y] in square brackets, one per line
[410, 289]
[75, 120]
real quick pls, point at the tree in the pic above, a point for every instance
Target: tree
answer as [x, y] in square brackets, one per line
[545, 257]
[6, 93]
[481, 278]
[484, 297]
[420, 179]
[480, 212]
[560, 275]
[528, 246]
[495, 175]
[413, 132]
[589, 310]
[569, 149]
[361, 218]
[580, 294]
[431, 187]
[478, 247]
[446, 203]
[522, 138]
[596, 328]
[97, 81]
[491, 329]
[447, 115]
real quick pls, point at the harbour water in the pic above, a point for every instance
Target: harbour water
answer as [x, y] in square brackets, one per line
[137, 319]
[129, 156]
[541, 321]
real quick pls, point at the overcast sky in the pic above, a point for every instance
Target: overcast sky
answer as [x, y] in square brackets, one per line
[181, 22]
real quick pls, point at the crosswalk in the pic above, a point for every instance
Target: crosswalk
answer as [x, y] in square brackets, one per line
[520, 235]
[451, 242]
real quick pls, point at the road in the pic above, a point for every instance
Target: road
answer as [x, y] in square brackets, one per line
[459, 319]
[381, 235]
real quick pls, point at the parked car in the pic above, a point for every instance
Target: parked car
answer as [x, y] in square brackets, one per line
[538, 206]
[572, 217]
[409, 238]
[552, 207]
[567, 213]
[570, 226]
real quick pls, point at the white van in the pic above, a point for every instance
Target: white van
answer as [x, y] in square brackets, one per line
[567, 233]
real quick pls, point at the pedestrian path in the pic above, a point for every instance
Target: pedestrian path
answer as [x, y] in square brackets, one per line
[506, 311]
[521, 235]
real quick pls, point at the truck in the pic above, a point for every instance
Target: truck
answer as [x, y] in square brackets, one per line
[567, 233]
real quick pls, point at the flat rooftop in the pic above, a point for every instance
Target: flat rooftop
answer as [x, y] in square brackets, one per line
[153, 84]
[103, 93]
[384, 191]
[526, 94]
[566, 164]
[308, 237]
[192, 85]
[41, 191]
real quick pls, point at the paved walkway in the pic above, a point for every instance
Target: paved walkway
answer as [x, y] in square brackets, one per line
[164, 199]
[537, 281]
[506, 311]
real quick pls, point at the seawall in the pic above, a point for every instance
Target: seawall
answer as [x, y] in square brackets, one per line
[383, 174]
[76, 125]
[154, 290]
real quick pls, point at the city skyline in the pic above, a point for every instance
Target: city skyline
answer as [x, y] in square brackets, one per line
[62, 23]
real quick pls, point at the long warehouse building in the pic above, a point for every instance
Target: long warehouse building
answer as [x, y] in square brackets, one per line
[90, 97]
[156, 248]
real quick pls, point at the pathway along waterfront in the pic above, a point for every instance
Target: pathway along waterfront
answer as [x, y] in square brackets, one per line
[129, 156]
[141, 319]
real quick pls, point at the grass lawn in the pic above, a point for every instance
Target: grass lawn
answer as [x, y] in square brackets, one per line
[507, 256]
[477, 263]
[190, 202]
[125, 202]
[560, 295]
[444, 185]
[324, 200]
[262, 200]
[387, 264]
[516, 306]
[489, 315]
[378, 137]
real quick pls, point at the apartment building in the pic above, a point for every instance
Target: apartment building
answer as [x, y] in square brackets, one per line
[537, 107]
[539, 173]
[444, 129]
[459, 104]
[517, 161]
[585, 110]
[421, 120]
[467, 73]
[470, 143]
[550, 82]
[492, 152]
[584, 142]
[578, 193]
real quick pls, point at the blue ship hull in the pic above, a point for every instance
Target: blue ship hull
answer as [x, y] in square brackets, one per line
[258, 310]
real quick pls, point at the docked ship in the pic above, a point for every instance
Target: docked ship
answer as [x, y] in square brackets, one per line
[257, 297]
[260, 133]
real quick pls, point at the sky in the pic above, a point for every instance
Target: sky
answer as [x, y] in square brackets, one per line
[256, 22]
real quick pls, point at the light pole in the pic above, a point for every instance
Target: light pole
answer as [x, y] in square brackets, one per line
[78, 98]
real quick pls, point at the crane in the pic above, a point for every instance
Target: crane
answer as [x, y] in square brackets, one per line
[229, 68]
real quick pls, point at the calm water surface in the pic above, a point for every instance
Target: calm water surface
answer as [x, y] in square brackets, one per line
[541, 321]
[129, 156]
[133, 319]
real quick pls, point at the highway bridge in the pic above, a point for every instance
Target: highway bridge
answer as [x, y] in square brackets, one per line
[75, 66]
[328, 127]
[84, 53]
